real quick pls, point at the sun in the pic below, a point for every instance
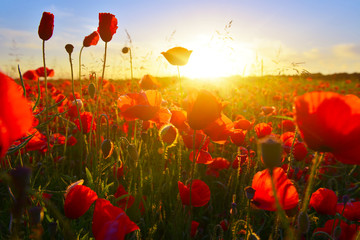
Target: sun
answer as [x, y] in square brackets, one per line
[213, 61]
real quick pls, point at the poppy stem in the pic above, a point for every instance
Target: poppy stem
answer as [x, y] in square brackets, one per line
[318, 160]
[280, 210]
[131, 71]
[80, 70]
[46, 99]
[181, 93]
[77, 110]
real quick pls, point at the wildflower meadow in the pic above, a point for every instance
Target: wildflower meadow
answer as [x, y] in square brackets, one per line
[262, 157]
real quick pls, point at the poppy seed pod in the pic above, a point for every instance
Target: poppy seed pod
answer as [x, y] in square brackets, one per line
[107, 148]
[92, 90]
[303, 222]
[168, 134]
[125, 50]
[271, 151]
[69, 48]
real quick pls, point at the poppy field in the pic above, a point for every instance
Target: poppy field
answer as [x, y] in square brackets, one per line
[271, 157]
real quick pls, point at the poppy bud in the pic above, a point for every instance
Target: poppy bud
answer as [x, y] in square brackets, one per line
[107, 147]
[250, 192]
[21, 178]
[303, 222]
[125, 50]
[69, 48]
[92, 90]
[78, 102]
[46, 26]
[168, 134]
[131, 148]
[36, 215]
[337, 232]
[271, 151]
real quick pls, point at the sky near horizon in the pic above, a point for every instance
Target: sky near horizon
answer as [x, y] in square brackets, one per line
[322, 36]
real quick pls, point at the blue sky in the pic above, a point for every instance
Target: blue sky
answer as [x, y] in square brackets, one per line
[323, 34]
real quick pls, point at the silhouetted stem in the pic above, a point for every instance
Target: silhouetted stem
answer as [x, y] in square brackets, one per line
[80, 70]
[131, 71]
[77, 110]
[46, 99]
[280, 210]
[312, 177]
[181, 93]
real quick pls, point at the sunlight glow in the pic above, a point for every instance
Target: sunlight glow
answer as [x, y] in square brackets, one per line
[217, 59]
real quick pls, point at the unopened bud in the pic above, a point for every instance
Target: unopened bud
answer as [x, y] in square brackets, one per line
[36, 215]
[92, 90]
[107, 148]
[78, 102]
[69, 48]
[250, 192]
[337, 232]
[303, 222]
[271, 151]
[168, 134]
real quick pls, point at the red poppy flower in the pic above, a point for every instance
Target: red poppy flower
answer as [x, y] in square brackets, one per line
[148, 82]
[300, 151]
[30, 75]
[216, 165]
[330, 122]
[200, 193]
[125, 202]
[202, 109]
[199, 139]
[287, 126]
[264, 197]
[57, 138]
[107, 26]
[78, 200]
[238, 137]
[143, 105]
[351, 211]
[243, 124]
[41, 72]
[91, 40]
[15, 113]
[110, 222]
[324, 201]
[179, 120]
[262, 130]
[194, 227]
[267, 110]
[46, 26]
[86, 119]
[220, 129]
[37, 142]
[348, 232]
[203, 157]
[177, 56]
